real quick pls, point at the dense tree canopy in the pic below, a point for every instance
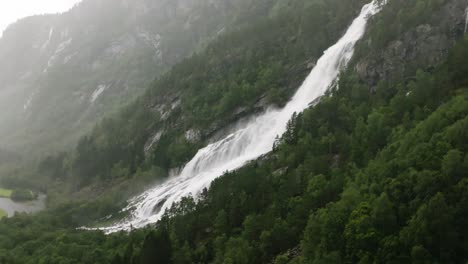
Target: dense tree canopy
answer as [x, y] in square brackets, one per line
[364, 176]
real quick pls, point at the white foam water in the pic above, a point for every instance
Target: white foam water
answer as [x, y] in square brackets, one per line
[250, 141]
[466, 20]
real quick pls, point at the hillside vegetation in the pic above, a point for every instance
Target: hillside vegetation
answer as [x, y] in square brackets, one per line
[373, 173]
[211, 90]
[60, 74]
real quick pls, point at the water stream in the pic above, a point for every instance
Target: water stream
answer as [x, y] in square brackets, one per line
[250, 141]
[466, 20]
[11, 207]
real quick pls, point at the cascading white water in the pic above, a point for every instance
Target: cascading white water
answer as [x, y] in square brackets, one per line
[249, 142]
[466, 20]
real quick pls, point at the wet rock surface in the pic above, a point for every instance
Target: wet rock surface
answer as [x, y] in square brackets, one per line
[426, 44]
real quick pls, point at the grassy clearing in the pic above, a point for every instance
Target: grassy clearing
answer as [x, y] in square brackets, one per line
[5, 193]
[3, 213]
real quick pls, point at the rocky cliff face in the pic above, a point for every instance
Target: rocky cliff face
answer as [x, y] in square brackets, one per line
[61, 73]
[427, 43]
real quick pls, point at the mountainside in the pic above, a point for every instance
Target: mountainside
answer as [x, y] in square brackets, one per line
[247, 71]
[373, 171]
[59, 74]
[201, 98]
[238, 74]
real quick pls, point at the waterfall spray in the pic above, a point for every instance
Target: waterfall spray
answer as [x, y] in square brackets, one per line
[250, 141]
[466, 20]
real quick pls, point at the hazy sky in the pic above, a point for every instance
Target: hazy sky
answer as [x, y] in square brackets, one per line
[12, 10]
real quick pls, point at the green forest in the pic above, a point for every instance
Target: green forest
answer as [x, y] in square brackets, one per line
[370, 174]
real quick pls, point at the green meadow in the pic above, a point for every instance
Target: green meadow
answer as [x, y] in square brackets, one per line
[5, 193]
[3, 213]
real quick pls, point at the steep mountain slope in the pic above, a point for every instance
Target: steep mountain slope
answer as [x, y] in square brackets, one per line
[239, 74]
[248, 141]
[61, 73]
[372, 173]
[246, 71]
[421, 34]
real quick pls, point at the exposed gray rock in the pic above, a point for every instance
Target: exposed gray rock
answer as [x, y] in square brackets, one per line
[426, 44]
[280, 172]
[124, 43]
[311, 65]
[166, 106]
[154, 139]
[193, 135]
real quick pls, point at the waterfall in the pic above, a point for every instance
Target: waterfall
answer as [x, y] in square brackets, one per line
[466, 20]
[250, 141]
